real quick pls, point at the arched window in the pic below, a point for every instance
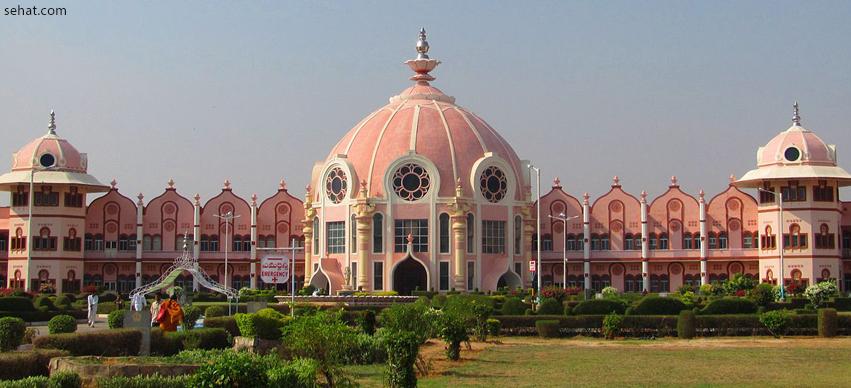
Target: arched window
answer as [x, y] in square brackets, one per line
[156, 242]
[147, 243]
[769, 241]
[696, 240]
[653, 242]
[353, 233]
[825, 239]
[547, 243]
[570, 243]
[636, 241]
[444, 233]
[377, 233]
[19, 242]
[471, 233]
[747, 240]
[663, 241]
[44, 241]
[71, 243]
[795, 239]
[722, 240]
[628, 242]
[518, 234]
[315, 235]
[713, 241]
[687, 241]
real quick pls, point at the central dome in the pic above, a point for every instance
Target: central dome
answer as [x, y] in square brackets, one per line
[422, 121]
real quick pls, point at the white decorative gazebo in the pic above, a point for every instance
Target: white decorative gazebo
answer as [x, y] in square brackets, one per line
[189, 263]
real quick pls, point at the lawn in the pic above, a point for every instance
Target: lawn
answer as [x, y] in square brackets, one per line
[533, 362]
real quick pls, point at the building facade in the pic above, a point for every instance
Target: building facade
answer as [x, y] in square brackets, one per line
[424, 194]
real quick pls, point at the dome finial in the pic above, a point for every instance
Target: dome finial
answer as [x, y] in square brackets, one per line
[422, 45]
[796, 118]
[51, 127]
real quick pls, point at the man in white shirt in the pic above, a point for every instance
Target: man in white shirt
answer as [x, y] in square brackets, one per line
[139, 302]
[93, 308]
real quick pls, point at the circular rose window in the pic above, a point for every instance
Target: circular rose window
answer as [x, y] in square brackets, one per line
[411, 182]
[792, 154]
[493, 184]
[336, 185]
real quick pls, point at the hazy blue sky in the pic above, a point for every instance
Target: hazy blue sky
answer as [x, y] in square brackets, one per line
[256, 91]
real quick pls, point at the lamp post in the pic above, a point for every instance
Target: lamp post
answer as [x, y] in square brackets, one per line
[780, 247]
[228, 218]
[538, 221]
[561, 217]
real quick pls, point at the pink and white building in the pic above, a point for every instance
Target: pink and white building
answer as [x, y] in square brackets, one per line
[424, 194]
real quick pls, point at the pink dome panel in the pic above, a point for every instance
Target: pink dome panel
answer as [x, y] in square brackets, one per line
[434, 147]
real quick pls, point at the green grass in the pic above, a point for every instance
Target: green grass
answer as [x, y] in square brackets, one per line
[666, 362]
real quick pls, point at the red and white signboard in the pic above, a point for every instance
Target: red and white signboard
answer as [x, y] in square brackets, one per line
[533, 265]
[275, 270]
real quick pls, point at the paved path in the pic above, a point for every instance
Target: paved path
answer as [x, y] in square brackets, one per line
[100, 324]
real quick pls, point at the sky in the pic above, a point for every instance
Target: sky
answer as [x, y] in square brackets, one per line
[259, 91]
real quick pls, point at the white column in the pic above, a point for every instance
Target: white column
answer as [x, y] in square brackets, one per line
[704, 275]
[196, 234]
[645, 261]
[586, 231]
[140, 209]
[253, 260]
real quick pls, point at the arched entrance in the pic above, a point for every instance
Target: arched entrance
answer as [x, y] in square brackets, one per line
[508, 280]
[408, 276]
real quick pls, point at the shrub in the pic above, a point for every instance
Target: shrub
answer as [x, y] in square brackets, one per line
[598, 307]
[739, 282]
[762, 294]
[610, 292]
[513, 306]
[655, 305]
[729, 305]
[820, 293]
[402, 350]
[842, 304]
[227, 323]
[44, 303]
[18, 365]
[298, 373]
[62, 324]
[612, 324]
[265, 324]
[115, 320]
[63, 302]
[322, 337]
[16, 303]
[438, 301]
[118, 342]
[366, 349]
[552, 292]
[776, 321]
[480, 315]
[144, 381]
[11, 333]
[29, 334]
[109, 296]
[685, 324]
[407, 317]
[550, 306]
[493, 326]
[215, 311]
[366, 322]
[827, 323]
[453, 330]
[547, 328]
[190, 316]
[58, 380]
[233, 369]
[106, 307]
[204, 338]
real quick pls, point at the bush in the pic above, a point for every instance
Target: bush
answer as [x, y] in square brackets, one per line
[144, 381]
[819, 293]
[776, 321]
[118, 342]
[62, 324]
[453, 330]
[106, 307]
[598, 307]
[115, 320]
[44, 303]
[685, 324]
[191, 314]
[552, 292]
[842, 304]
[827, 323]
[612, 324]
[493, 326]
[729, 305]
[18, 365]
[58, 380]
[63, 302]
[407, 317]
[550, 306]
[170, 343]
[739, 282]
[547, 328]
[366, 322]
[298, 373]
[438, 301]
[215, 311]
[42, 316]
[513, 306]
[402, 351]
[227, 323]
[264, 324]
[16, 303]
[233, 369]
[366, 349]
[322, 337]
[11, 333]
[109, 296]
[762, 294]
[610, 292]
[655, 305]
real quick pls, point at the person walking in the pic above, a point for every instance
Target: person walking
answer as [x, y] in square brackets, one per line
[138, 302]
[93, 308]
[170, 315]
[155, 308]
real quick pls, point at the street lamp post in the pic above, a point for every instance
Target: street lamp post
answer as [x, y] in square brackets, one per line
[561, 217]
[779, 232]
[228, 218]
[538, 221]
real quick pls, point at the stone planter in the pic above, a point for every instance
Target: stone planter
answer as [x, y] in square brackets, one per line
[92, 368]
[255, 345]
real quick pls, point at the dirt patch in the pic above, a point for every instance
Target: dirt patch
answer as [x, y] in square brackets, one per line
[434, 356]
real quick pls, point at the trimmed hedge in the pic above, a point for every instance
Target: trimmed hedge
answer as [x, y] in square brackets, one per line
[550, 306]
[685, 324]
[513, 306]
[19, 365]
[215, 311]
[171, 343]
[730, 305]
[11, 333]
[547, 328]
[227, 323]
[114, 342]
[106, 307]
[149, 381]
[62, 324]
[42, 316]
[115, 319]
[656, 305]
[63, 301]
[842, 304]
[827, 323]
[44, 303]
[265, 324]
[599, 307]
[16, 303]
[58, 380]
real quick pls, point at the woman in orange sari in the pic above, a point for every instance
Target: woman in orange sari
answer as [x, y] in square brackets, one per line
[170, 314]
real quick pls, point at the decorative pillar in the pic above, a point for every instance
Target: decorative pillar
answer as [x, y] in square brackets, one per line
[704, 273]
[645, 261]
[586, 231]
[253, 258]
[196, 234]
[363, 215]
[307, 230]
[140, 209]
[458, 211]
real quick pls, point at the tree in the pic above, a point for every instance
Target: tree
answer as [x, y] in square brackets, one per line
[323, 337]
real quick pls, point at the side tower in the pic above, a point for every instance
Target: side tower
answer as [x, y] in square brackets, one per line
[798, 181]
[47, 219]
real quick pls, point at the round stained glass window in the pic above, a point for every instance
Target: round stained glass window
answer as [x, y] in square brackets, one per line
[493, 184]
[47, 160]
[411, 182]
[792, 154]
[336, 185]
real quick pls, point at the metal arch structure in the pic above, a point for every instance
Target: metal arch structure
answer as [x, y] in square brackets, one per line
[186, 262]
